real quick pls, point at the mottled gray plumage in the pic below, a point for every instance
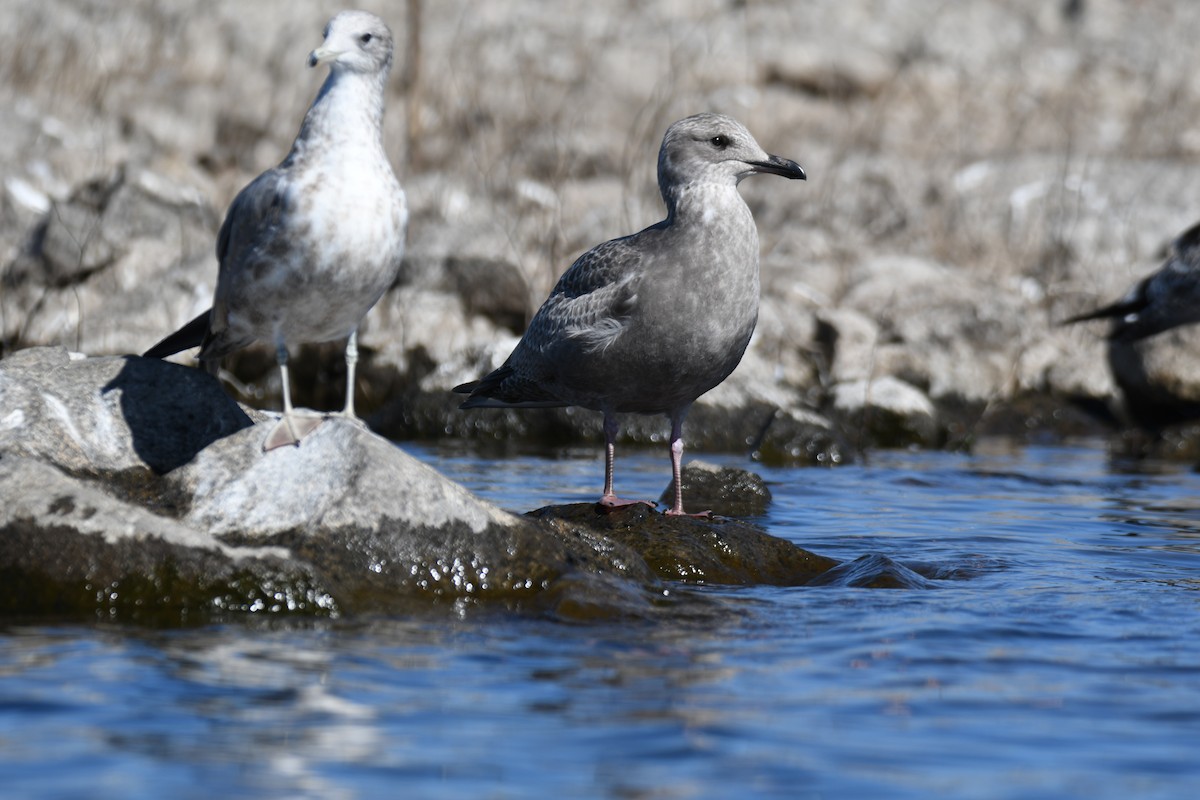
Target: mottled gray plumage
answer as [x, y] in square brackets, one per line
[1162, 300]
[649, 322]
[310, 246]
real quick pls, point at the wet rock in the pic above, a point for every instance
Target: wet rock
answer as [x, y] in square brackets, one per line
[70, 549]
[377, 523]
[345, 523]
[725, 491]
[796, 436]
[721, 551]
[136, 489]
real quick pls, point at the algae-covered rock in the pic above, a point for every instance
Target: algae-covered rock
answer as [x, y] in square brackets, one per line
[720, 551]
[70, 549]
[727, 491]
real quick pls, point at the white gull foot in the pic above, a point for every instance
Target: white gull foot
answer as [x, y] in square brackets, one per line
[291, 429]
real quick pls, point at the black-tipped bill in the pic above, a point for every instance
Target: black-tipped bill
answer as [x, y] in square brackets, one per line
[779, 166]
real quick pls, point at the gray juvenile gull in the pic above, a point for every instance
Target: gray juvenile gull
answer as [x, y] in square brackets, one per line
[649, 322]
[1162, 300]
[308, 247]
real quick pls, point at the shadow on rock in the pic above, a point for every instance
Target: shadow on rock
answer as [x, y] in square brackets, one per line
[104, 416]
[173, 412]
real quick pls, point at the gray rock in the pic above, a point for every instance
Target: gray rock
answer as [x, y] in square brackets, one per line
[377, 522]
[832, 71]
[888, 410]
[850, 341]
[1070, 162]
[107, 267]
[69, 548]
[100, 416]
[938, 329]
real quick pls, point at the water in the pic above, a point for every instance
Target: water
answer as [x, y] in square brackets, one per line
[1062, 660]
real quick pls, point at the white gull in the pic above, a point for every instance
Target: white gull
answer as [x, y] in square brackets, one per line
[308, 247]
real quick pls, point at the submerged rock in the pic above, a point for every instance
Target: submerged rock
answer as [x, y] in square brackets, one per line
[721, 551]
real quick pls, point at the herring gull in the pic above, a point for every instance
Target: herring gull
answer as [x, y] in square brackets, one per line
[649, 322]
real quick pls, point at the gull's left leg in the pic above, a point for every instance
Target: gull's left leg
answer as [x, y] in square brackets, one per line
[295, 425]
[676, 510]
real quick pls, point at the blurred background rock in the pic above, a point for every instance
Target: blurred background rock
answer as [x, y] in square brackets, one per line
[977, 172]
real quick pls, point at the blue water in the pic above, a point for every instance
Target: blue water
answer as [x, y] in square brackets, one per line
[1060, 657]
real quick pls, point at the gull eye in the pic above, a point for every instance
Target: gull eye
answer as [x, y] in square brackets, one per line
[720, 141]
[365, 38]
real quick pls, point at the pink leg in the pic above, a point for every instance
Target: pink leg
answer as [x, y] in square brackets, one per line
[677, 466]
[610, 499]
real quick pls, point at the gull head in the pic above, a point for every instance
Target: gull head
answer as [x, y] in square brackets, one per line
[714, 148]
[355, 41]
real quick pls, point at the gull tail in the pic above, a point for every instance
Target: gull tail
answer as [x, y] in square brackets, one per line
[190, 335]
[502, 389]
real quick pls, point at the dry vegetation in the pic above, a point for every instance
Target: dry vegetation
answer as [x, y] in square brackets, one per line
[1046, 151]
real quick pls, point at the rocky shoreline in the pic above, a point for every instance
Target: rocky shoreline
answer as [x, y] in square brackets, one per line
[136, 490]
[911, 292]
